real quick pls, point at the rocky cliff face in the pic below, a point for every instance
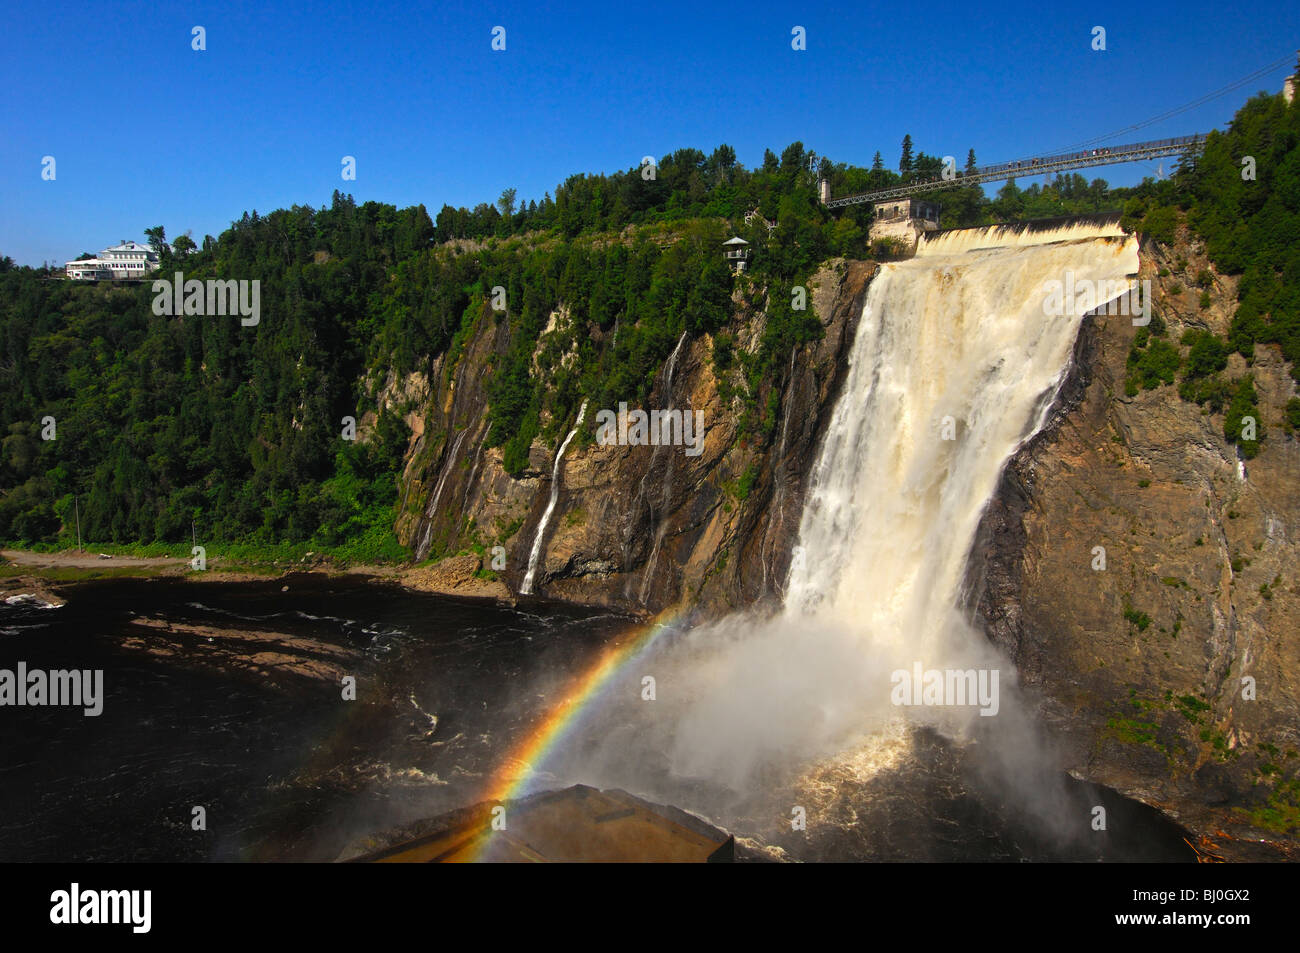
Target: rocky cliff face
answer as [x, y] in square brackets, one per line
[1170, 670]
[1139, 574]
[638, 527]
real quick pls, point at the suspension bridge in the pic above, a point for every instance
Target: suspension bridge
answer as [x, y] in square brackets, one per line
[1036, 165]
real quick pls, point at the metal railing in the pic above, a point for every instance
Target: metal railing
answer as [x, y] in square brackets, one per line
[1039, 165]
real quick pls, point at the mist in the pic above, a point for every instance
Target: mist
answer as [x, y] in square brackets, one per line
[955, 364]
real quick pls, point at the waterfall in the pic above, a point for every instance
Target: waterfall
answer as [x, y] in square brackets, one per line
[665, 492]
[955, 364]
[671, 367]
[430, 511]
[535, 556]
[469, 484]
[776, 515]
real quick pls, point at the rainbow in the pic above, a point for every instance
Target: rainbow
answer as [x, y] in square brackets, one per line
[520, 765]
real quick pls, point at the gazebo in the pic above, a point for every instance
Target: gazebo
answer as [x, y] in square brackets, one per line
[737, 252]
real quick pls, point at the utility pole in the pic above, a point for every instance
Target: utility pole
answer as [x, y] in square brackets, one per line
[76, 505]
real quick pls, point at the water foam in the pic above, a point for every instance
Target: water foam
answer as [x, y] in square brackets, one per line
[953, 343]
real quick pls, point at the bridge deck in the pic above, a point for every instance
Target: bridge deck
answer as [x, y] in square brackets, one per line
[1038, 165]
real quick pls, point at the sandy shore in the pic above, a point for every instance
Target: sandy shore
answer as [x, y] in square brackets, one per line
[42, 574]
[90, 560]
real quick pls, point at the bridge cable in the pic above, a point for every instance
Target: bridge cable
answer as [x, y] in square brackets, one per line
[1182, 109]
[1237, 84]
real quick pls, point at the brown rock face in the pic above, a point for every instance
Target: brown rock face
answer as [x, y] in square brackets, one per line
[1127, 567]
[638, 527]
[1145, 669]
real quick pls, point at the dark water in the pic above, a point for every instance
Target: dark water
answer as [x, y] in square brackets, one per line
[287, 770]
[284, 767]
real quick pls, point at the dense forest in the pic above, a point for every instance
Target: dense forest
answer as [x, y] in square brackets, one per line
[1242, 197]
[165, 427]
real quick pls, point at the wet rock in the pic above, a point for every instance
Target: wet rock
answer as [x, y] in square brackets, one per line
[638, 527]
[1139, 666]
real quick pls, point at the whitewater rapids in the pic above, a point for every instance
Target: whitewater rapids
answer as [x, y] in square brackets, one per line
[955, 364]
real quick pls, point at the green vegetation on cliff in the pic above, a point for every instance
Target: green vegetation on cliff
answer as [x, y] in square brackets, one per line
[167, 426]
[172, 425]
[1241, 197]
[162, 426]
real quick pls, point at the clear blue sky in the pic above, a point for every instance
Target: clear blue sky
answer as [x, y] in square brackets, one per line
[146, 131]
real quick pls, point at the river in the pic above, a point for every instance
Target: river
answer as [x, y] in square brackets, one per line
[286, 769]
